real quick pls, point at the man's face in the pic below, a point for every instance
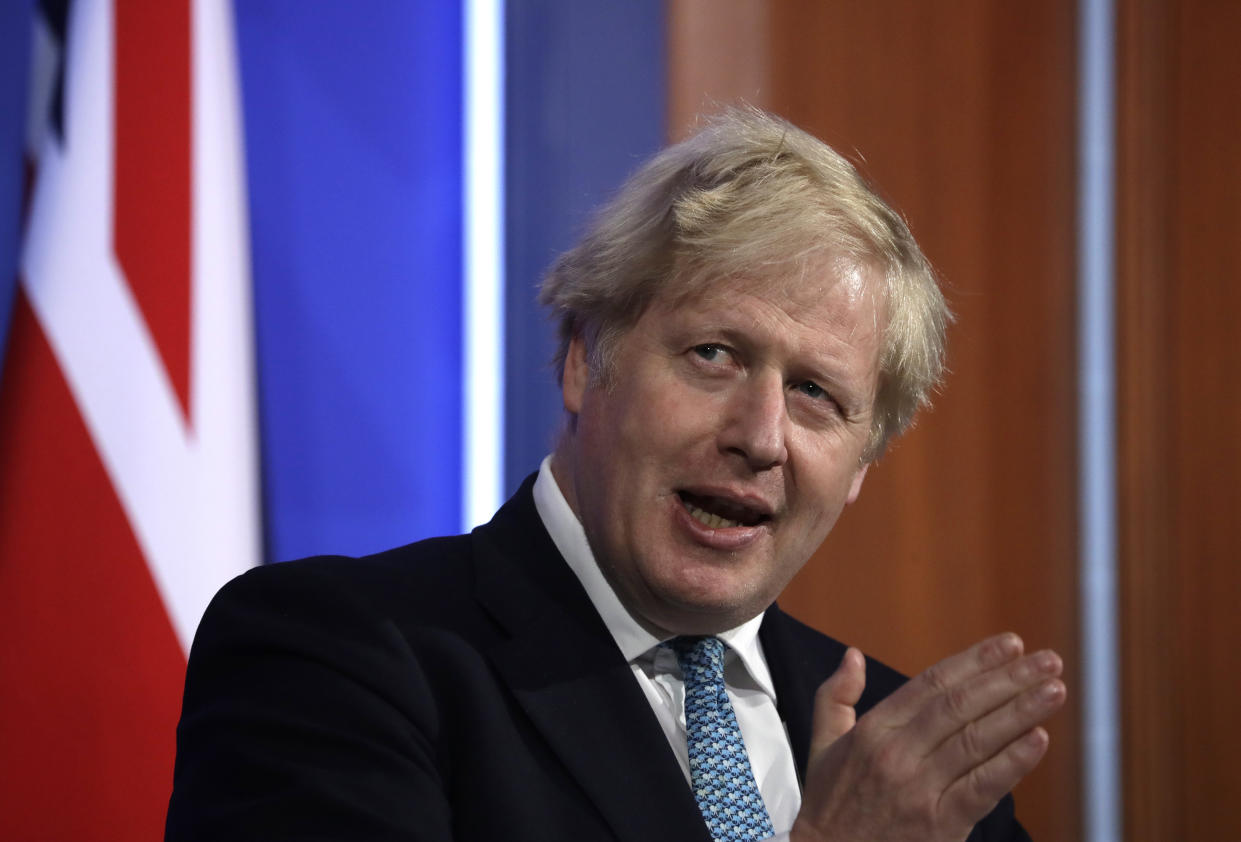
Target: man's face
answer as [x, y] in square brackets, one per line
[725, 446]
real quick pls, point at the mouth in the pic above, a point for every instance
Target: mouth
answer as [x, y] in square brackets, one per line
[716, 512]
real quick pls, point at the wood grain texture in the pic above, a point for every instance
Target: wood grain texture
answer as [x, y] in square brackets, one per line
[715, 58]
[1179, 223]
[963, 114]
[1149, 738]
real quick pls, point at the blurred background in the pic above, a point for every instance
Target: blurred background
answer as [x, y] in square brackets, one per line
[267, 274]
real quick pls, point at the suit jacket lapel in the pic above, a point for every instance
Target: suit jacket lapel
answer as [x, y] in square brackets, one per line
[565, 670]
[797, 670]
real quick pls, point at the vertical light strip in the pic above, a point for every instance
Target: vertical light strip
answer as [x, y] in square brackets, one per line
[1096, 419]
[482, 370]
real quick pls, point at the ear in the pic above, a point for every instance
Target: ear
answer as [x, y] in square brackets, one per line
[576, 375]
[856, 487]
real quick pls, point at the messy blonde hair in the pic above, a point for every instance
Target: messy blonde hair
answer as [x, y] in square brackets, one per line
[751, 196]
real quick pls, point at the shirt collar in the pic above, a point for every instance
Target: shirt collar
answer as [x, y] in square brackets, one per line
[633, 640]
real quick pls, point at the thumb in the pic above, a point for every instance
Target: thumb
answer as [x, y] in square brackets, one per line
[833, 702]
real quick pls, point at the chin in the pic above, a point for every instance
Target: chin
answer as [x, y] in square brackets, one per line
[702, 622]
[711, 612]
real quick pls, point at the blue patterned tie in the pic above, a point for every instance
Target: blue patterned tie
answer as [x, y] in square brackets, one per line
[719, 767]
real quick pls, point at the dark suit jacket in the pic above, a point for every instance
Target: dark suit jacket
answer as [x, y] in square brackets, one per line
[455, 689]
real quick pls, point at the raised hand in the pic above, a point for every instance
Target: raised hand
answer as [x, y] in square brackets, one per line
[928, 762]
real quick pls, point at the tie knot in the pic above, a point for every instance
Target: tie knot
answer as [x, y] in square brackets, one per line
[701, 658]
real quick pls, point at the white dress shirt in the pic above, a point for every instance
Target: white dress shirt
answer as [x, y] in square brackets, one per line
[657, 672]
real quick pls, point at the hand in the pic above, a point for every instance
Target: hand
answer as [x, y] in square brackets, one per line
[931, 760]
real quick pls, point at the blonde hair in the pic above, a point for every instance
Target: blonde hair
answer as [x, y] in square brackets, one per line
[751, 196]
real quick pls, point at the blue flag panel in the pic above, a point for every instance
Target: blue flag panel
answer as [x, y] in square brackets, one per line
[15, 28]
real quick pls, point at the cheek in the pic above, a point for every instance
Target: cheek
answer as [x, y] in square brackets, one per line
[619, 454]
[660, 429]
[825, 489]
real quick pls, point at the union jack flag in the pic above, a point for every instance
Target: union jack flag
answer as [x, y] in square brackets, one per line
[128, 445]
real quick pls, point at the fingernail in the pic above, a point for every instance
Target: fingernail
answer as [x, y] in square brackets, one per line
[1050, 692]
[1047, 661]
[1008, 645]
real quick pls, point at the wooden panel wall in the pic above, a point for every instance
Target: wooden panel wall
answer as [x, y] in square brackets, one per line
[1179, 306]
[964, 115]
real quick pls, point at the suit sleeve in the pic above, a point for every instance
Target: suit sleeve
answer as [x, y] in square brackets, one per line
[1000, 825]
[305, 716]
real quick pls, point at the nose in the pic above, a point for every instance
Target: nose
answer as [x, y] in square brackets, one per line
[756, 423]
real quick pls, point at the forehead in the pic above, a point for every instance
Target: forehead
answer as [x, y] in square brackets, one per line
[802, 276]
[825, 293]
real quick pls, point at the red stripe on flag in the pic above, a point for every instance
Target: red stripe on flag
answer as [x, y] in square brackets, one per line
[153, 181]
[90, 667]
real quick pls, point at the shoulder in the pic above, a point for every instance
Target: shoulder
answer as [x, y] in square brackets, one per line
[406, 576]
[416, 566]
[303, 672]
[371, 613]
[376, 633]
[413, 565]
[412, 596]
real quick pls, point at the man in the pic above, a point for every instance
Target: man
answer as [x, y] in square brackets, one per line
[743, 330]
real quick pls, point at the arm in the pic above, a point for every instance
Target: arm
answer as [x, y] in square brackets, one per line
[936, 756]
[305, 716]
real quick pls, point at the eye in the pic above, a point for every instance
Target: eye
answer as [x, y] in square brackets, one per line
[811, 389]
[710, 351]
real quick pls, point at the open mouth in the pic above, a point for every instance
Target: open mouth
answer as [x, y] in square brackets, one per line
[719, 513]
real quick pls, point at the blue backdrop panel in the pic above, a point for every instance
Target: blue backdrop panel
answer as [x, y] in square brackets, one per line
[353, 139]
[586, 98]
[15, 28]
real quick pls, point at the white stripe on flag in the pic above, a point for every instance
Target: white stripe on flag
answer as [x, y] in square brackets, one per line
[190, 494]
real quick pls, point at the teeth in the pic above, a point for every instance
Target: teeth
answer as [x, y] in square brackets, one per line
[708, 519]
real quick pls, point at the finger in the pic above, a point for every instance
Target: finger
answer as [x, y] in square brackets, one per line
[944, 717]
[981, 740]
[834, 701]
[976, 793]
[903, 705]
